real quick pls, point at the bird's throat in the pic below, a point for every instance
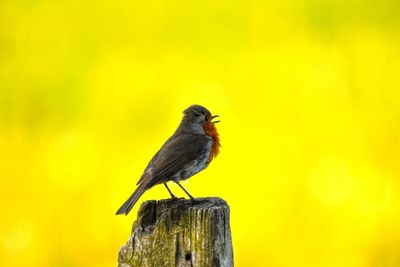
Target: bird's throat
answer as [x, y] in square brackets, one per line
[211, 130]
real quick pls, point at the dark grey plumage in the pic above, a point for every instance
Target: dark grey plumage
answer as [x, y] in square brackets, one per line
[184, 154]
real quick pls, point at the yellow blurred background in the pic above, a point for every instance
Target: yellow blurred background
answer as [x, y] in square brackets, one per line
[309, 97]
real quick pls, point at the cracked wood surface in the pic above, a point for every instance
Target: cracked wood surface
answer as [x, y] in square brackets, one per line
[180, 232]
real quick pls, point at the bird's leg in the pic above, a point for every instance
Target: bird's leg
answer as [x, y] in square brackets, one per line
[172, 195]
[191, 197]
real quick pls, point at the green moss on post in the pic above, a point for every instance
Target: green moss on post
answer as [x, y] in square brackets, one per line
[179, 232]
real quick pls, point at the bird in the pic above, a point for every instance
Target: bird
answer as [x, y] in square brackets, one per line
[191, 148]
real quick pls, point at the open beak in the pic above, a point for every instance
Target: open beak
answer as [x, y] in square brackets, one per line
[213, 117]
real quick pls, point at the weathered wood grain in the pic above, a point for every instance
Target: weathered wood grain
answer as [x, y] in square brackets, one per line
[179, 232]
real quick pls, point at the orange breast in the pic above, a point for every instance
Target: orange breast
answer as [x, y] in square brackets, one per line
[210, 130]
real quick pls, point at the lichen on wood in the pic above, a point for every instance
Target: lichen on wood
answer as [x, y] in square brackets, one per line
[179, 232]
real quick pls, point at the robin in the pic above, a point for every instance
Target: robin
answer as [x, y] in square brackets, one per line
[188, 151]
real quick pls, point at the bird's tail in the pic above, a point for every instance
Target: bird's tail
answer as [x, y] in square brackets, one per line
[128, 205]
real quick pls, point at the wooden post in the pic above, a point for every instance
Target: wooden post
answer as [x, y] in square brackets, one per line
[180, 233]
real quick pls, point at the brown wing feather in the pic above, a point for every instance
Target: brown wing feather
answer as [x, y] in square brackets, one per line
[174, 155]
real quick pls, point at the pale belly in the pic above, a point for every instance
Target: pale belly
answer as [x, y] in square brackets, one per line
[194, 166]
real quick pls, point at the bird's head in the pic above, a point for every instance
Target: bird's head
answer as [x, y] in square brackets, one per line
[198, 119]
